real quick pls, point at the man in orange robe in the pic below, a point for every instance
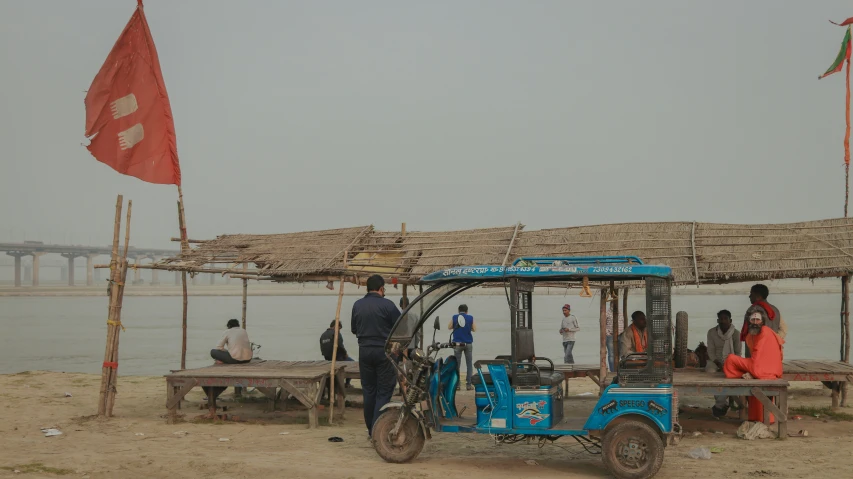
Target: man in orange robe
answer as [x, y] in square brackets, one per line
[765, 361]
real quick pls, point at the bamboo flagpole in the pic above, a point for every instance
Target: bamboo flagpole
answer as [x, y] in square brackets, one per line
[113, 383]
[840, 60]
[113, 292]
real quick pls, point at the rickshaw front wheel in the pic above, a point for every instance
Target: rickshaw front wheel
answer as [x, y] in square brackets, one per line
[408, 443]
[632, 450]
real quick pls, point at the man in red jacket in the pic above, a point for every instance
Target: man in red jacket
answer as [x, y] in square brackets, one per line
[765, 361]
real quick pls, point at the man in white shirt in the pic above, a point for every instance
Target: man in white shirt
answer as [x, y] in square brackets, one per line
[235, 339]
[568, 328]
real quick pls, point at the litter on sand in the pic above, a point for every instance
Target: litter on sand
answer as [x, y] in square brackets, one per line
[283, 433]
[139, 434]
[67, 394]
[754, 430]
[180, 433]
[51, 431]
[699, 453]
[224, 439]
[531, 462]
[716, 450]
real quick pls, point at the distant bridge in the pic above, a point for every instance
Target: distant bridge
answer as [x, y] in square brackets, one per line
[37, 249]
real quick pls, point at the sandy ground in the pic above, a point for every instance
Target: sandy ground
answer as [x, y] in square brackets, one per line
[137, 442]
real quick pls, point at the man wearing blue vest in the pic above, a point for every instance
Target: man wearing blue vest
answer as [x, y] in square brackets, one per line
[463, 325]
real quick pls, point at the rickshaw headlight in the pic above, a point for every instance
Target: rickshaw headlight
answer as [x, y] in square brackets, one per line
[417, 355]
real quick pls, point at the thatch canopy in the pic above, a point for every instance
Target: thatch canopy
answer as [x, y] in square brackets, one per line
[697, 252]
[290, 254]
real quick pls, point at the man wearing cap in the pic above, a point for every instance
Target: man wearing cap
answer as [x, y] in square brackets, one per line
[568, 328]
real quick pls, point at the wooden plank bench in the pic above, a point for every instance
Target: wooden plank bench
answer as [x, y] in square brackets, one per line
[716, 384]
[305, 380]
[833, 374]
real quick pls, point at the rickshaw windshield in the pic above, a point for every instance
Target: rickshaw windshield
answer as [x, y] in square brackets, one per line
[413, 316]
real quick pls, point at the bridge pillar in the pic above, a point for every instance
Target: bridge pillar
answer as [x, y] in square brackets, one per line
[90, 269]
[69, 268]
[17, 257]
[36, 256]
[137, 273]
[155, 274]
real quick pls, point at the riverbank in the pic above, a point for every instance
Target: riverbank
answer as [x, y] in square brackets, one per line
[137, 442]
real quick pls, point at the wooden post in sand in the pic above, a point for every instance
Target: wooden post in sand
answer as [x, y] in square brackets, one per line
[113, 290]
[245, 293]
[335, 352]
[602, 352]
[184, 247]
[118, 273]
[113, 387]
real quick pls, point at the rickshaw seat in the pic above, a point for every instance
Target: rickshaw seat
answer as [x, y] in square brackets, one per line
[546, 378]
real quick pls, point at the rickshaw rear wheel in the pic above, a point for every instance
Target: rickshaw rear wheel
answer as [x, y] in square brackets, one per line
[408, 443]
[632, 450]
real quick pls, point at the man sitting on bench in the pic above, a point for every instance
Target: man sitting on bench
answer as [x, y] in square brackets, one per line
[237, 341]
[765, 361]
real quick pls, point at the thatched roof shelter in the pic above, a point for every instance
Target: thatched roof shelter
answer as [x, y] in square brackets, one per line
[699, 253]
[290, 254]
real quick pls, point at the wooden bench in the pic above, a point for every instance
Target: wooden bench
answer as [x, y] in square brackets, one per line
[833, 374]
[716, 384]
[305, 380]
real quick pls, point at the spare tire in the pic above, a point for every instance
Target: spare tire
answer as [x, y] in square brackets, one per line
[680, 357]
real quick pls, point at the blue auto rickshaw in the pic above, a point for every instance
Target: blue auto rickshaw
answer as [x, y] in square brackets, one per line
[519, 396]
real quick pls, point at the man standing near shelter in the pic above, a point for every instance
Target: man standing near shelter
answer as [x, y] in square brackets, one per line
[463, 325]
[373, 316]
[724, 339]
[635, 339]
[765, 361]
[758, 297]
[568, 328]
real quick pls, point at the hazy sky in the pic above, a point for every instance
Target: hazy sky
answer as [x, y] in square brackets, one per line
[443, 114]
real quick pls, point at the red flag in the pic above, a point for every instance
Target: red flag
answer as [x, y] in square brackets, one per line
[849, 21]
[128, 116]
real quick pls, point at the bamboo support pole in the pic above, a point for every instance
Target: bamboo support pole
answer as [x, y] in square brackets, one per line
[111, 392]
[615, 314]
[245, 294]
[335, 353]
[113, 291]
[185, 248]
[405, 286]
[602, 317]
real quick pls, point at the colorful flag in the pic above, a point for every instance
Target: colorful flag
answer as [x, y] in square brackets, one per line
[849, 21]
[843, 54]
[128, 116]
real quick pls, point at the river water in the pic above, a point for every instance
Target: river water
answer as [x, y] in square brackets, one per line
[68, 333]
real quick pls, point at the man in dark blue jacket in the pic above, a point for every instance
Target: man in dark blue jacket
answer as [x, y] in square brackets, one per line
[373, 316]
